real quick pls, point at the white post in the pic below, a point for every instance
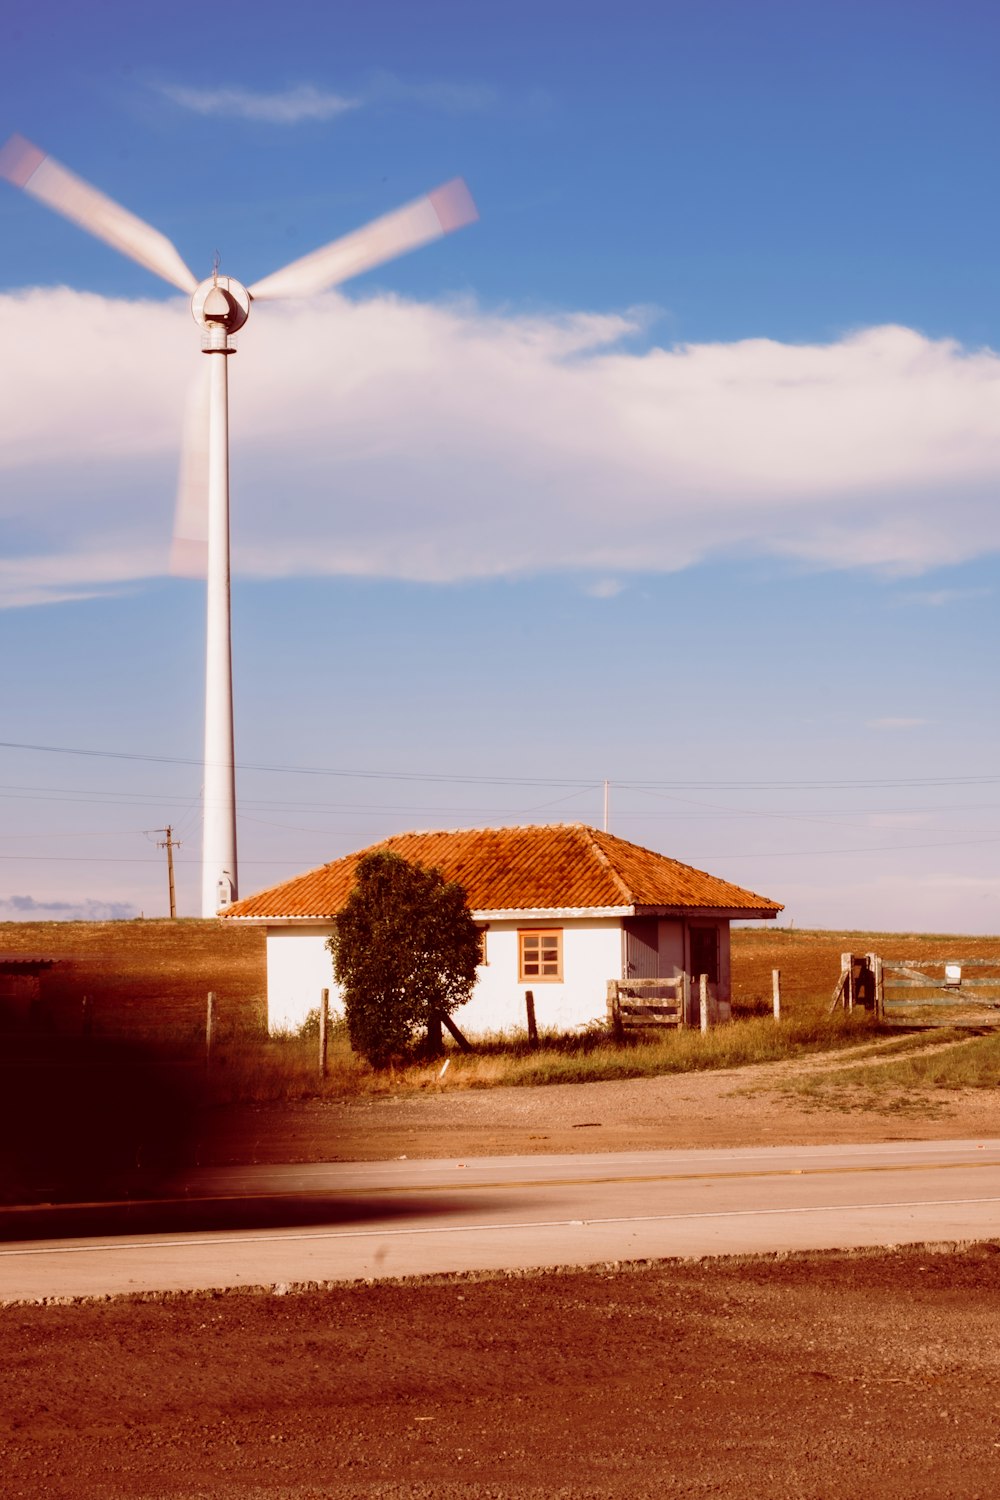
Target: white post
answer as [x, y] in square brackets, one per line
[218, 860]
[703, 1001]
[776, 992]
[847, 967]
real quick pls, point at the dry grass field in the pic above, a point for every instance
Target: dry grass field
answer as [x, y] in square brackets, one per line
[147, 978]
[809, 961]
[147, 981]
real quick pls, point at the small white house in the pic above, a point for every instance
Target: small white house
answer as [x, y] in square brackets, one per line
[563, 909]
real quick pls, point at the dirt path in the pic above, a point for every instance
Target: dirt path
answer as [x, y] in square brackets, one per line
[738, 1107]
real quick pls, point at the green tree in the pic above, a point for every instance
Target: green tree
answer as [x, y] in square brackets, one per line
[404, 954]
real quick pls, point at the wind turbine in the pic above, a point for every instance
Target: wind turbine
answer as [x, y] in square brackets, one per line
[221, 306]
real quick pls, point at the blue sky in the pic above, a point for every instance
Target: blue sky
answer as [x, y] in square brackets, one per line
[679, 468]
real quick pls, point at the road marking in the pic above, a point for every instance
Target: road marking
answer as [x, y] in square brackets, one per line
[650, 1177]
[384, 1190]
[376, 1232]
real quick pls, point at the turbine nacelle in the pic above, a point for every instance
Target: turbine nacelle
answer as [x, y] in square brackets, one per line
[220, 306]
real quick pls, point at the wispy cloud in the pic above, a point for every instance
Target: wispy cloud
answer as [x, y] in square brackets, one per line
[26, 908]
[308, 102]
[604, 588]
[460, 443]
[892, 723]
[289, 106]
[438, 94]
[938, 598]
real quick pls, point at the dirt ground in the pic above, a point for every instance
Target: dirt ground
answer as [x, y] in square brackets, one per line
[828, 1376]
[825, 1376]
[739, 1107]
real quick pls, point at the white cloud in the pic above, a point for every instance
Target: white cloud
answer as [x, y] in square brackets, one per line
[285, 107]
[395, 439]
[604, 588]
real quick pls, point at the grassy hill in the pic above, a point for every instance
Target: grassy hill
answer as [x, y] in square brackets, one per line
[146, 978]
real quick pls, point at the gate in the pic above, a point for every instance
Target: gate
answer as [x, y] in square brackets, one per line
[938, 992]
[922, 991]
[646, 1002]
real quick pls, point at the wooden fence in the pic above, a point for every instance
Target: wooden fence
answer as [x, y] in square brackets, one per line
[647, 1002]
[921, 991]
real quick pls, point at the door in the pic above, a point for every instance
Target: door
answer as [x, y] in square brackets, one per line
[705, 956]
[642, 950]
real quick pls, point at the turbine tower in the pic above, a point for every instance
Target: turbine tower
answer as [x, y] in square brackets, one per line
[221, 306]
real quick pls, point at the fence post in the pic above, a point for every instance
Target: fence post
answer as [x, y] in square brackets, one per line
[879, 988]
[703, 1001]
[529, 1005]
[686, 1017]
[614, 1014]
[324, 1017]
[209, 1028]
[776, 992]
[847, 967]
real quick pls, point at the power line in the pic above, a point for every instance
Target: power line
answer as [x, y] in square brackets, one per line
[593, 783]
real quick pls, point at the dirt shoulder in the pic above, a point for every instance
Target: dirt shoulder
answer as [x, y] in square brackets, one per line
[738, 1107]
[854, 1376]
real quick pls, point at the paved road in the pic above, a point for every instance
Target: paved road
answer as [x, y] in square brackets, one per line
[343, 1221]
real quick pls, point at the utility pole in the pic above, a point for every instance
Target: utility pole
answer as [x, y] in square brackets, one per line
[607, 800]
[170, 844]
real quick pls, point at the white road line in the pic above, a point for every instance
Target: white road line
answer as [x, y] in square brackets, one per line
[356, 1234]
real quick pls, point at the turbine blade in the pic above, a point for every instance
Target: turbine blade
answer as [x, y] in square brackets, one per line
[189, 549]
[417, 223]
[27, 167]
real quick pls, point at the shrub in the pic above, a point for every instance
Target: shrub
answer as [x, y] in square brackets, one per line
[404, 954]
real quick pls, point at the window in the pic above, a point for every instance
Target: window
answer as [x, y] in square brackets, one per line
[483, 956]
[539, 955]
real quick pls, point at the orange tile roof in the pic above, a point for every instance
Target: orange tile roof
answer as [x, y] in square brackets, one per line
[554, 866]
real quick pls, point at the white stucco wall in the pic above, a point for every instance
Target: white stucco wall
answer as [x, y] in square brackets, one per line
[299, 967]
[592, 954]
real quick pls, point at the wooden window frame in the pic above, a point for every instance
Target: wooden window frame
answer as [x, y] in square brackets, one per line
[539, 932]
[484, 957]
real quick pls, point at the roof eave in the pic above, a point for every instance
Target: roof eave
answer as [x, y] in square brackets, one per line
[548, 913]
[272, 919]
[534, 914]
[734, 913]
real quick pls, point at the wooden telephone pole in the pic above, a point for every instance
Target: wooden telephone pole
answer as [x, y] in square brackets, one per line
[170, 844]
